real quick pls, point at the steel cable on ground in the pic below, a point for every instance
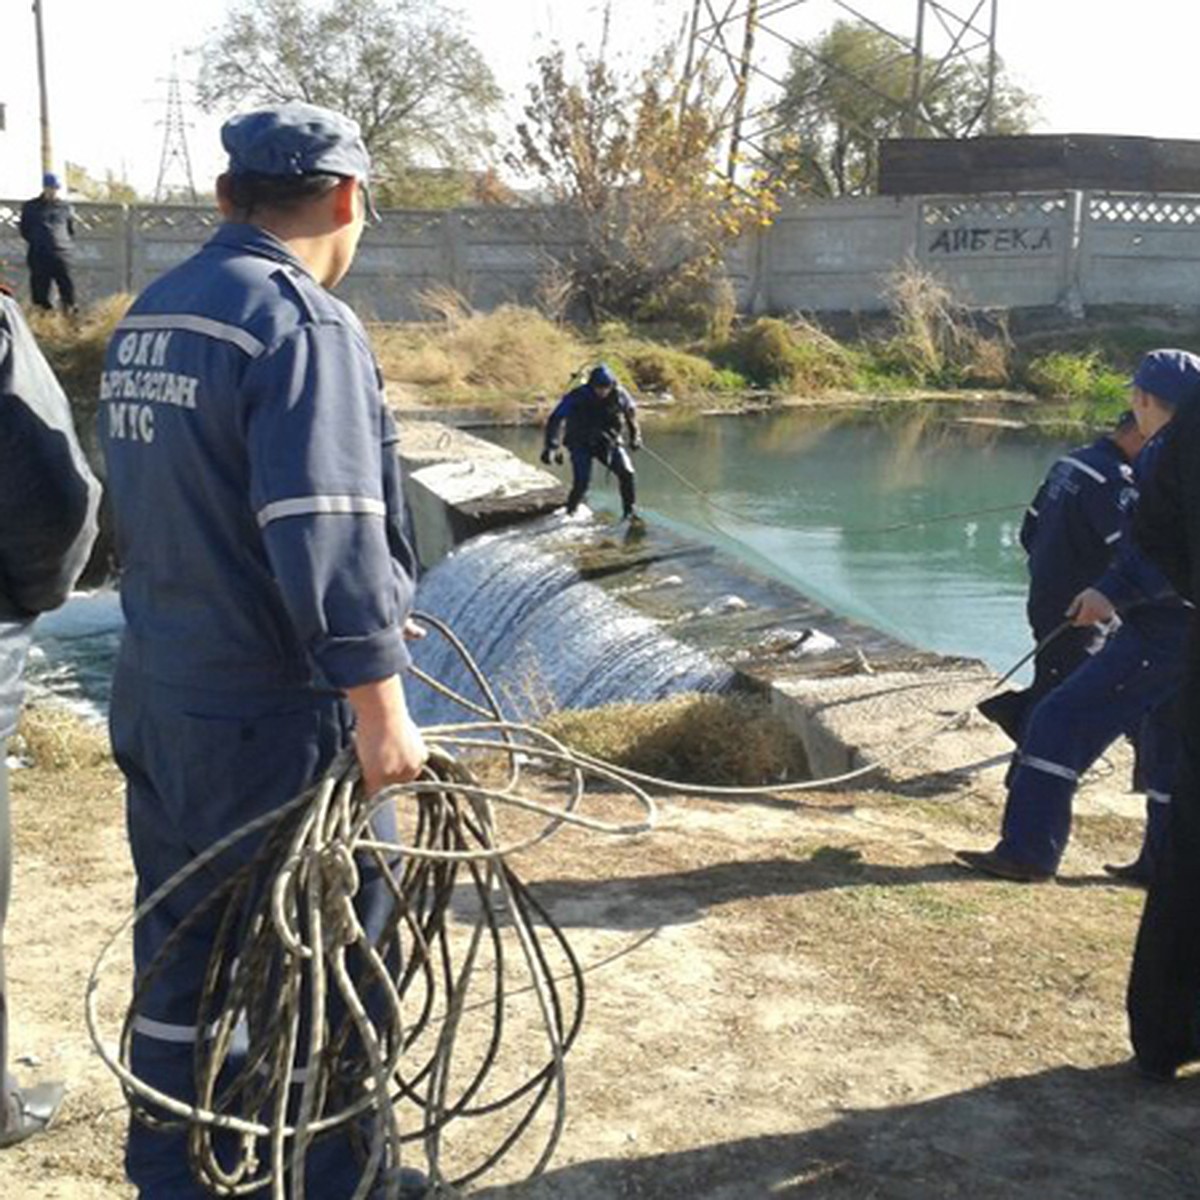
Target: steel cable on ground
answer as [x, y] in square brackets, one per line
[281, 1005]
[330, 928]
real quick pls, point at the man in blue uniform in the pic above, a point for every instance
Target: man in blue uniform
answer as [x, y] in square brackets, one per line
[1070, 534]
[48, 226]
[593, 415]
[1164, 983]
[1131, 683]
[48, 502]
[266, 578]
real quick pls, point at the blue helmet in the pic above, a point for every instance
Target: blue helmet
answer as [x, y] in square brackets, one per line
[601, 376]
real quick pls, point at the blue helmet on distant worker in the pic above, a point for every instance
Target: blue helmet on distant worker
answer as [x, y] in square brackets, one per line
[602, 376]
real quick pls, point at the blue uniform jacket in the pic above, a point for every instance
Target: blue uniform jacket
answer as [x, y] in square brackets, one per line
[48, 226]
[592, 421]
[48, 500]
[255, 486]
[1134, 585]
[1072, 528]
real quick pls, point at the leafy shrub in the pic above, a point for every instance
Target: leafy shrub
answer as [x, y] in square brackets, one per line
[797, 356]
[656, 368]
[1063, 376]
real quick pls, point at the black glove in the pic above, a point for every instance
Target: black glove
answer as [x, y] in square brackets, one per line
[546, 454]
[635, 443]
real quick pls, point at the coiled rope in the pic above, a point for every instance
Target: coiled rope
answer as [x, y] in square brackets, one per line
[345, 955]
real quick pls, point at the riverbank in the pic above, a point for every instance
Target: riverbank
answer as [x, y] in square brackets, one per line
[783, 1000]
[511, 362]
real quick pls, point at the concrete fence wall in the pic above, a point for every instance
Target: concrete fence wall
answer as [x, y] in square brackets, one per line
[995, 251]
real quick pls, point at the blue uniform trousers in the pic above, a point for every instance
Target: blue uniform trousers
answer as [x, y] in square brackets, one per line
[615, 458]
[198, 765]
[1131, 684]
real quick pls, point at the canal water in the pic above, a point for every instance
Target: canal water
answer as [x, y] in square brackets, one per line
[907, 522]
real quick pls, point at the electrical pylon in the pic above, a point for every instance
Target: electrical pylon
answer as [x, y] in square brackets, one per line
[175, 158]
[734, 38]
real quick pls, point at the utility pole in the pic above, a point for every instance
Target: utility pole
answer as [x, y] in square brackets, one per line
[47, 154]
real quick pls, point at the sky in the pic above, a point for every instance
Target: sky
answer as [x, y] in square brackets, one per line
[1097, 68]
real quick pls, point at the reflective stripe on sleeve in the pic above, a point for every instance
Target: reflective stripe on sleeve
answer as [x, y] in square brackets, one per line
[161, 1031]
[1082, 466]
[219, 330]
[1050, 768]
[305, 506]
[1112, 537]
[1158, 797]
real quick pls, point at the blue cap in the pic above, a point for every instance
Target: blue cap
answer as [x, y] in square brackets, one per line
[296, 139]
[50, 180]
[1171, 375]
[601, 376]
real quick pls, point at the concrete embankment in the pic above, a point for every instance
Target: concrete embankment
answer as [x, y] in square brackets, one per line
[851, 694]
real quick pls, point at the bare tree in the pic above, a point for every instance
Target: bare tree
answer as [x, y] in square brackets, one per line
[404, 69]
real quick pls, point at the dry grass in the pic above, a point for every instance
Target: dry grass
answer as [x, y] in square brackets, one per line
[460, 354]
[724, 740]
[938, 339]
[74, 346]
[53, 739]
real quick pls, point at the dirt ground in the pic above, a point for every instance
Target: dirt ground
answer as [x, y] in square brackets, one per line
[783, 1001]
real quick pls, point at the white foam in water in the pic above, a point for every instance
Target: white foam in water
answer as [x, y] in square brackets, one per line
[545, 637]
[73, 652]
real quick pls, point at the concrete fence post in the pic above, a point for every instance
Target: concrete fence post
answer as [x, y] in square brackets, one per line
[455, 270]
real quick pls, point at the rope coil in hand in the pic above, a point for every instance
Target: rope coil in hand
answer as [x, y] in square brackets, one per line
[344, 959]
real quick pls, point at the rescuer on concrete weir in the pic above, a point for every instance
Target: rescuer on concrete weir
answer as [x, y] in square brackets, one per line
[593, 415]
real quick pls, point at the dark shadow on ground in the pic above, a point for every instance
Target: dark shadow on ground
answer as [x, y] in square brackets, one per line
[1063, 1134]
[639, 902]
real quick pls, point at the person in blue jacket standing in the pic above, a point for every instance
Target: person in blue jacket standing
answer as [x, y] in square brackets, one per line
[1070, 534]
[266, 578]
[48, 226]
[593, 415]
[48, 503]
[1132, 683]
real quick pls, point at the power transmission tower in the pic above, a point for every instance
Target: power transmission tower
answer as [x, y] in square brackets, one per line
[175, 159]
[738, 40]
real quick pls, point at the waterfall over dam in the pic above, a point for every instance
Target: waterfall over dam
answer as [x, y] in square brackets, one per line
[545, 636]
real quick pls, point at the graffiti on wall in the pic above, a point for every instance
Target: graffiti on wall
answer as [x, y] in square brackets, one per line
[959, 239]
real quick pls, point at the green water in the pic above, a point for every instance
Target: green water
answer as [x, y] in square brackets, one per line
[810, 499]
